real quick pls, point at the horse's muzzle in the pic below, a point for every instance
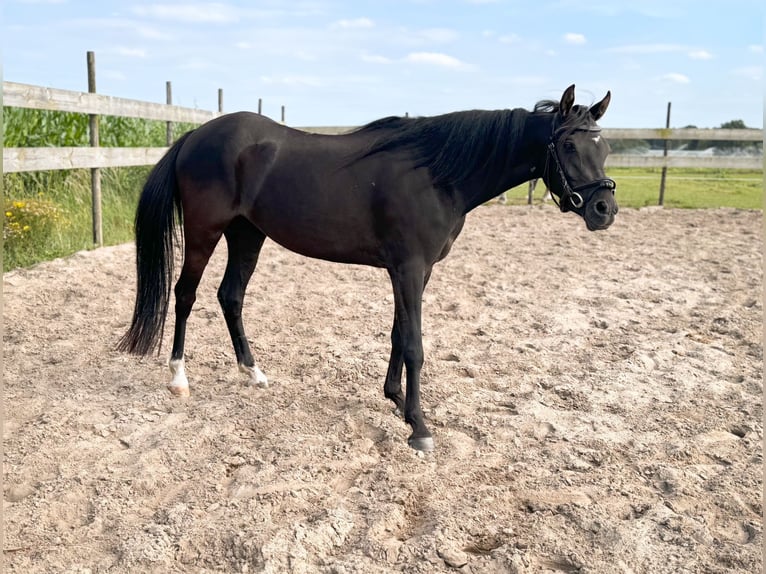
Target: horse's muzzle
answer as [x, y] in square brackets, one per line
[600, 210]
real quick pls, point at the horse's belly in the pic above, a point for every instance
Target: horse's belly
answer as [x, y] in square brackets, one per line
[335, 237]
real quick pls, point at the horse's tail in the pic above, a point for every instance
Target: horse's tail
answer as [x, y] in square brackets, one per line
[155, 230]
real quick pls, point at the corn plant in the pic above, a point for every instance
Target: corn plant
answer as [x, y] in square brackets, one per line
[47, 213]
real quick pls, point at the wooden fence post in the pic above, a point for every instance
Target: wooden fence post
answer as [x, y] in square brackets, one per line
[169, 101]
[664, 154]
[283, 114]
[95, 172]
[220, 100]
[260, 106]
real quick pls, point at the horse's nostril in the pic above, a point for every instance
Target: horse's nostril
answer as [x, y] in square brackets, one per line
[602, 208]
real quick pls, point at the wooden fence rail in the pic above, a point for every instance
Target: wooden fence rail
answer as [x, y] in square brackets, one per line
[41, 98]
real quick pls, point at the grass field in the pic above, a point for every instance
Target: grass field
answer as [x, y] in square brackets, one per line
[684, 188]
[48, 214]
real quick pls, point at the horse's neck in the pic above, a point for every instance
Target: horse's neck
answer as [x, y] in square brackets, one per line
[525, 162]
[478, 194]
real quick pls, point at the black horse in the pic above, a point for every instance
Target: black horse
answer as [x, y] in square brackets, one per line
[392, 194]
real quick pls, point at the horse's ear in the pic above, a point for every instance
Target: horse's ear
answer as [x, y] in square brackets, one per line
[567, 100]
[597, 110]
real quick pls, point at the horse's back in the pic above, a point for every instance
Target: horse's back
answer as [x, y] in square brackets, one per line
[312, 193]
[217, 144]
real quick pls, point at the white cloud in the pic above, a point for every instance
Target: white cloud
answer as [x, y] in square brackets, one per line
[434, 59]
[675, 78]
[756, 48]
[196, 64]
[700, 55]
[374, 59]
[647, 49]
[509, 39]
[135, 27]
[132, 52]
[309, 81]
[114, 75]
[152, 33]
[438, 35]
[574, 39]
[210, 13]
[526, 80]
[655, 9]
[304, 55]
[424, 37]
[354, 24]
[749, 72]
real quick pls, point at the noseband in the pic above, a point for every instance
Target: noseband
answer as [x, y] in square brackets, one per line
[578, 196]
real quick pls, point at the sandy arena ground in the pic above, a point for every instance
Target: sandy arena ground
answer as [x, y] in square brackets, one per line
[595, 398]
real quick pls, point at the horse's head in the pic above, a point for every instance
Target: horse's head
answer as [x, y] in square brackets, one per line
[574, 169]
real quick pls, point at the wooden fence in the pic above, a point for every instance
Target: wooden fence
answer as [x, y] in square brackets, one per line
[42, 158]
[95, 157]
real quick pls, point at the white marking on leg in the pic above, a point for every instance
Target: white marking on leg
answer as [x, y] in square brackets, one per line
[179, 386]
[256, 378]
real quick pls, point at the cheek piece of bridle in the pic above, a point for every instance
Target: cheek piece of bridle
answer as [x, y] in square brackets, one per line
[577, 196]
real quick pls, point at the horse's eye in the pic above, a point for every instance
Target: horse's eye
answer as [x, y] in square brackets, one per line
[569, 146]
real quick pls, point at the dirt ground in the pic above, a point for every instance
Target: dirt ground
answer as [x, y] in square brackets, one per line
[595, 398]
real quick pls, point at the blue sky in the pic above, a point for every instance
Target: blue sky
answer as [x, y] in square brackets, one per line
[349, 62]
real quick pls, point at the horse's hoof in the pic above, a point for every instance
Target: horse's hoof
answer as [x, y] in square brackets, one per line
[258, 383]
[178, 391]
[397, 412]
[423, 444]
[256, 376]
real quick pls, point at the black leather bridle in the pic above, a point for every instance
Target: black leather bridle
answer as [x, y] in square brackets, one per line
[577, 196]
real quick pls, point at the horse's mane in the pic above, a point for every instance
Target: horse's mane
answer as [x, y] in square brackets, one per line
[455, 146]
[459, 145]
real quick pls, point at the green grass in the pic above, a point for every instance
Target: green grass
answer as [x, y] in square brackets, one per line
[52, 212]
[47, 214]
[684, 188]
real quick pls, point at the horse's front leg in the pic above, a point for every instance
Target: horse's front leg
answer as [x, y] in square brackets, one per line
[408, 283]
[392, 388]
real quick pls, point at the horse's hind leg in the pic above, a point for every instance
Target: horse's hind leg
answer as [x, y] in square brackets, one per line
[244, 241]
[197, 252]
